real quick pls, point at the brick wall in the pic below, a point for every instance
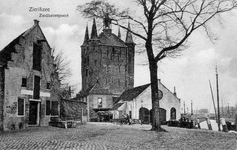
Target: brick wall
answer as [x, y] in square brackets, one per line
[73, 110]
[112, 65]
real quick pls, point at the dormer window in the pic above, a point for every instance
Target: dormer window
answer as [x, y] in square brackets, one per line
[23, 82]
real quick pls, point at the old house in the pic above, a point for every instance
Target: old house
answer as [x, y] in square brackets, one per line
[136, 102]
[107, 68]
[28, 82]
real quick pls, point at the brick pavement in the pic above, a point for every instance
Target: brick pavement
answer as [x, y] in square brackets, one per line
[106, 136]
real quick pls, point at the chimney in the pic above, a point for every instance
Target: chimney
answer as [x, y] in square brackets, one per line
[175, 92]
[36, 22]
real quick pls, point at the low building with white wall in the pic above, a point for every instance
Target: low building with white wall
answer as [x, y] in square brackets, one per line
[136, 102]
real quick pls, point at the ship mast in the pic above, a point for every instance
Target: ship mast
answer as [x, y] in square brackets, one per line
[218, 107]
[213, 99]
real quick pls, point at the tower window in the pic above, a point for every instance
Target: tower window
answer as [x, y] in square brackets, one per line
[129, 57]
[87, 60]
[86, 72]
[113, 50]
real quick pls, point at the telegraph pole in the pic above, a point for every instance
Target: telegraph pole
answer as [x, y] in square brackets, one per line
[218, 107]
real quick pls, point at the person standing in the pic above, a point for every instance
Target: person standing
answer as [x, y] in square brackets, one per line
[128, 119]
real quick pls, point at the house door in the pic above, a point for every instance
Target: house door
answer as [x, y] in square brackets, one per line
[144, 115]
[33, 114]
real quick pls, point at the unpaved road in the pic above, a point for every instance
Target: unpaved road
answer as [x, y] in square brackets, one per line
[117, 137]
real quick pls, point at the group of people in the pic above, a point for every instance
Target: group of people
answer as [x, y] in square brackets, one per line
[104, 117]
[185, 122]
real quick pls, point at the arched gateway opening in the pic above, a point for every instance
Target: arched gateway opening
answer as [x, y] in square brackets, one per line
[144, 115]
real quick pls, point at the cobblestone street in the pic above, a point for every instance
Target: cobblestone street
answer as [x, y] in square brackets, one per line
[109, 136]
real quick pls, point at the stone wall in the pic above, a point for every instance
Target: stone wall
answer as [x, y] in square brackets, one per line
[73, 110]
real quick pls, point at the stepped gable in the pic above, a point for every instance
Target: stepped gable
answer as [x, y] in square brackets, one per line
[5, 53]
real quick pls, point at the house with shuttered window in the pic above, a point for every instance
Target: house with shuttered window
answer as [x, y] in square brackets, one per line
[29, 84]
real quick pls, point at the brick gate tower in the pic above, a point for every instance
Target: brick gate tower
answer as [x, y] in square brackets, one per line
[107, 60]
[107, 64]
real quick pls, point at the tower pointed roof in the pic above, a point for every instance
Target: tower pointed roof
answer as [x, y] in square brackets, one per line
[86, 38]
[119, 33]
[129, 38]
[94, 30]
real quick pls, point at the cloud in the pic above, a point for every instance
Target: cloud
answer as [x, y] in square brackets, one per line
[232, 67]
[11, 26]
[66, 39]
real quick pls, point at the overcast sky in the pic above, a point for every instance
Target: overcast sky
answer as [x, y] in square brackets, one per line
[189, 73]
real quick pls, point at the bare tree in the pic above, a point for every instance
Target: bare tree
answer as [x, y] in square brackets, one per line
[63, 72]
[62, 66]
[164, 26]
